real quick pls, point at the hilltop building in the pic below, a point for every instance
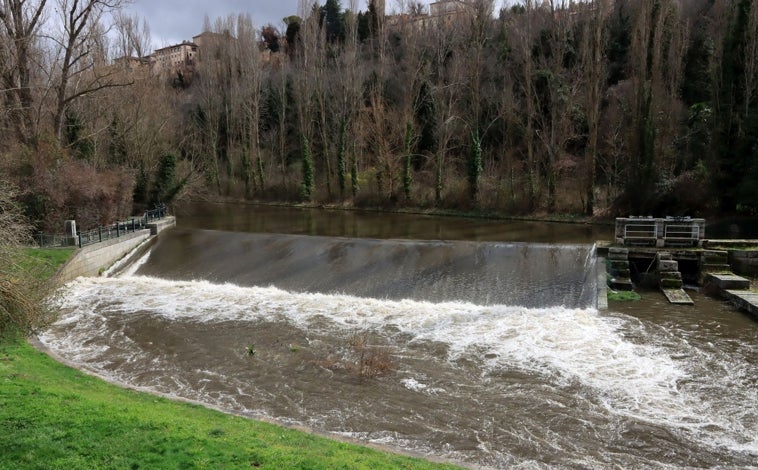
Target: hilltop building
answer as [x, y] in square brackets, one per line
[178, 57]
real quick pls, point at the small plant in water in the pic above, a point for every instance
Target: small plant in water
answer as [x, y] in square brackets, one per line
[369, 360]
[250, 350]
[623, 296]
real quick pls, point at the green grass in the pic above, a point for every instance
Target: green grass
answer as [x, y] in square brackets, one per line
[53, 416]
[623, 296]
[44, 262]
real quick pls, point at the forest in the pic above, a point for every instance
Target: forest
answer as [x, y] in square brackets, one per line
[595, 108]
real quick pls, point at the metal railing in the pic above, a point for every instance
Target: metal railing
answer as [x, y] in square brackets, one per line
[103, 233]
[110, 231]
[669, 231]
[682, 233]
[641, 233]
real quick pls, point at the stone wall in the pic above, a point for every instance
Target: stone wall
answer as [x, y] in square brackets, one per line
[744, 262]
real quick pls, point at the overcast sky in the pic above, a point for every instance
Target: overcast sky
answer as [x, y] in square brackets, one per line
[172, 21]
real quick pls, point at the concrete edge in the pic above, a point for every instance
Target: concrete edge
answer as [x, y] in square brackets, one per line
[602, 284]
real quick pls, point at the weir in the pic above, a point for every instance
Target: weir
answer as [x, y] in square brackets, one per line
[479, 379]
[482, 273]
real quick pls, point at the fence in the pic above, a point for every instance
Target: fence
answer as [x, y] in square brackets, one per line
[669, 231]
[102, 233]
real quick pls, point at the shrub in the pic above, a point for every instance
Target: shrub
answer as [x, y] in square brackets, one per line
[367, 360]
[23, 284]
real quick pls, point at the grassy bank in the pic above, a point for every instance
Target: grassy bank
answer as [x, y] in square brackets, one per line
[53, 416]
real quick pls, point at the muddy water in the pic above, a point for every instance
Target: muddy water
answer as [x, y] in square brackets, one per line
[496, 380]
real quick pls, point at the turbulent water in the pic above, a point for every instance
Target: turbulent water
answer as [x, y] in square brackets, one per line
[491, 366]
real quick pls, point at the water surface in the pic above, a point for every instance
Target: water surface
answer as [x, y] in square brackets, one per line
[492, 366]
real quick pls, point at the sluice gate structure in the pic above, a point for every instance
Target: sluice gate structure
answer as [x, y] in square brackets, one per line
[670, 252]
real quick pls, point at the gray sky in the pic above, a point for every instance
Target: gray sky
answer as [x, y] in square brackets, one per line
[172, 21]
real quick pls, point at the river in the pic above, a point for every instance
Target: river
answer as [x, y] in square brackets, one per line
[491, 352]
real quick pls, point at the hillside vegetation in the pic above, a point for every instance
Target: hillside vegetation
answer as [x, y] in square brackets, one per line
[598, 107]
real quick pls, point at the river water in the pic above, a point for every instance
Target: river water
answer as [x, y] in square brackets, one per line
[495, 355]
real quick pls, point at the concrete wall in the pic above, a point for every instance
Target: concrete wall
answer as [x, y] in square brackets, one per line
[92, 260]
[744, 262]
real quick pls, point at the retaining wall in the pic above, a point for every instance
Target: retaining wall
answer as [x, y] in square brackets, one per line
[744, 262]
[92, 260]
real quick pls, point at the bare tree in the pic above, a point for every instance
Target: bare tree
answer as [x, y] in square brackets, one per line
[525, 48]
[248, 85]
[132, 36]
[79, 70]
[751, 58]
[20, 22]
[593, 67]
[349, 71]
[448, 74]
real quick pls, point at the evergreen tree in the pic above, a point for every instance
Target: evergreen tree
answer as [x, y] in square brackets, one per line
[341, 156]
[164, 188]
[426, 117]
[306, 190]
[475, 168]
[407, 161]
[331, 20]
[75, 138]
[292, 34]
[738, 128]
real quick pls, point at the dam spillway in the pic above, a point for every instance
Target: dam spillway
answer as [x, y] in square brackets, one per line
[481, 273]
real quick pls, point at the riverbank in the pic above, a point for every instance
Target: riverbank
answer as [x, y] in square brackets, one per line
[55, 416]
[435, 212]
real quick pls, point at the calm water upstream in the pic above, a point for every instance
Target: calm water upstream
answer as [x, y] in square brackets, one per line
[500, 358]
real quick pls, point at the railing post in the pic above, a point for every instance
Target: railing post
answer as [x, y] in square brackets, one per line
[80, 239]
[118, 229]
[100, 233]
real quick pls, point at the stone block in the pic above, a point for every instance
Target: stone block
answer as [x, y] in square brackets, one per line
[618, 253]
[671, 283]
[619, 264]
[716, 268]
[671, 275]
[727, 281]
[715, 257]
[668, 265]
[621, 284]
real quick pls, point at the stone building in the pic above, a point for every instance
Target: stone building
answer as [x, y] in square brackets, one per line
[175, 58]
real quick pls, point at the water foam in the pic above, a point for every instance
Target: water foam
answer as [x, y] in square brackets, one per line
[641, 380]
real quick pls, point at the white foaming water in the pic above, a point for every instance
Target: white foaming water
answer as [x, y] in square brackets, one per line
[118, 265]
[568, 346]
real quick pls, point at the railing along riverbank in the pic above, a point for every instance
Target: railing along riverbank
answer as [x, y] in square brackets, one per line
[104, 232]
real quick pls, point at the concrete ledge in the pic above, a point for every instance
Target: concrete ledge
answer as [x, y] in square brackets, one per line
[158, 226]
[93, 259]
[745, 300]
[602, 284]
[726, 282]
